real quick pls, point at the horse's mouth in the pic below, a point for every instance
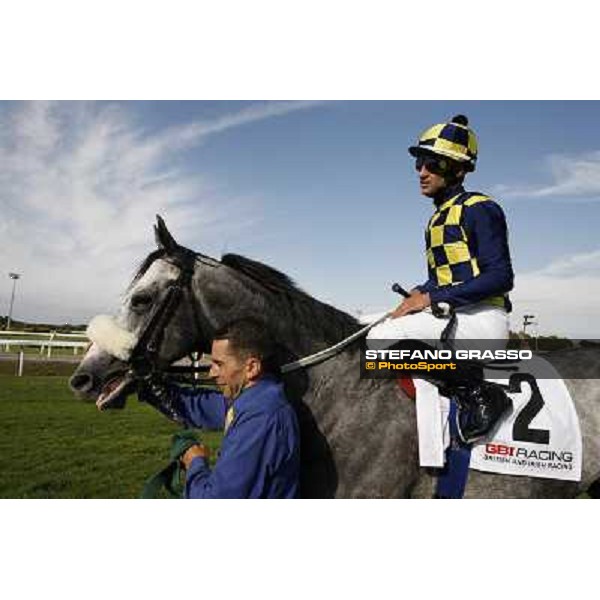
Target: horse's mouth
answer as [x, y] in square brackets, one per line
[115, 392]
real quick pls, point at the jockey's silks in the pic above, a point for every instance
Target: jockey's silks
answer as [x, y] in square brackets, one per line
[468, 259]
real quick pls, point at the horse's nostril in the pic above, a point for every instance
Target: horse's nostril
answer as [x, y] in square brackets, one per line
[81, 382]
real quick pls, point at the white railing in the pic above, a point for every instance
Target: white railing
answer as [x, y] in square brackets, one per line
[45, 343]
[50, 334]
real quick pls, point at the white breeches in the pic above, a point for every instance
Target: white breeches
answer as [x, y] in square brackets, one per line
[475, 322]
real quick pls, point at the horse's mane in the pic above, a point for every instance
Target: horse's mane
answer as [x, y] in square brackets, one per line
[293, 302]
[331, 321]
[271, 278]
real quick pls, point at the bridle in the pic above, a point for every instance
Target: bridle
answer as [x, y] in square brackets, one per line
[144, 359]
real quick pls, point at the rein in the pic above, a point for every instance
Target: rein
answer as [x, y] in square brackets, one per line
[323, 355]
[143, 358]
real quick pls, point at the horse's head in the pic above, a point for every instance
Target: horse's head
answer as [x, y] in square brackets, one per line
[159, 322]
[173, 306]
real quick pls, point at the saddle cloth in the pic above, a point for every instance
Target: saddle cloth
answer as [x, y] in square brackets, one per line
[540, 437]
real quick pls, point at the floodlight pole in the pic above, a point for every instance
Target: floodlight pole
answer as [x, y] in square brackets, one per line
[15, 277]
[527, 320]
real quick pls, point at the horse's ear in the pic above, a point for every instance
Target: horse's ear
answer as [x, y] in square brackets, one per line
[164, 239]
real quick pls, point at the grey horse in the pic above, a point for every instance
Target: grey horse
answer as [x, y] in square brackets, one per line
[359, 436]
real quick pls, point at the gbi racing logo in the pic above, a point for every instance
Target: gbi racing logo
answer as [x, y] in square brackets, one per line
[529, 454]
[500, 449]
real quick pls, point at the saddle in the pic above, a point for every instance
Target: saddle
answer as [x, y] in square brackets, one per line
[539, 436]
[480, 403]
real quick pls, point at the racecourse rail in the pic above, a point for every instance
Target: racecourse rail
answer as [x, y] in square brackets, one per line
[44, 341]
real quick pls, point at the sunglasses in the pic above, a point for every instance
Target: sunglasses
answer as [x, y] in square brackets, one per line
[437, 166]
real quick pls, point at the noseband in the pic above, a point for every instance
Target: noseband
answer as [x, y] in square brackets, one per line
[144, 358]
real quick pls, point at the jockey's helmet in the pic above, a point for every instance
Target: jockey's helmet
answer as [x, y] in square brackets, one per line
[454, 140]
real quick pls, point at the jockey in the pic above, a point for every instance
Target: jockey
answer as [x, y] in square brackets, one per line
[469, 267]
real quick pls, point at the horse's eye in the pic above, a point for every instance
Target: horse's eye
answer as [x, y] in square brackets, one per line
[141, 302]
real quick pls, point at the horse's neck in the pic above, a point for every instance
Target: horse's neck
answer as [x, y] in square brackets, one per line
[303, 323]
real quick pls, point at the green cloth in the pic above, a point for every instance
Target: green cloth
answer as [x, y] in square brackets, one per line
[172, 475]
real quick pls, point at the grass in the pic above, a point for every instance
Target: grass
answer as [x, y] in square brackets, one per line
[38, 367]
[54, 446]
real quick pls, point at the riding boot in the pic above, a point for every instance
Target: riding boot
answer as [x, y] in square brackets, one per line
[481, 405]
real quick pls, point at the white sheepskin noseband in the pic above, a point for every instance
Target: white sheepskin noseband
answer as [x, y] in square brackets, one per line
[110, 337]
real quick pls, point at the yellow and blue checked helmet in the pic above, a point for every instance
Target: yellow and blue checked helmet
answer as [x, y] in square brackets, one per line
[454, 140]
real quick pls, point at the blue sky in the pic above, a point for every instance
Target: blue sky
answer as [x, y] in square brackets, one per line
[323, 191]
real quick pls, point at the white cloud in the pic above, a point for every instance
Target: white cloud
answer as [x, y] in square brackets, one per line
[80, 184]
[563, 296]
[571, 176]
[574, 266]
[256, 112]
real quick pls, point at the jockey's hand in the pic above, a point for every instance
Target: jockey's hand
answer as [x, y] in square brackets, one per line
[416, 302]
